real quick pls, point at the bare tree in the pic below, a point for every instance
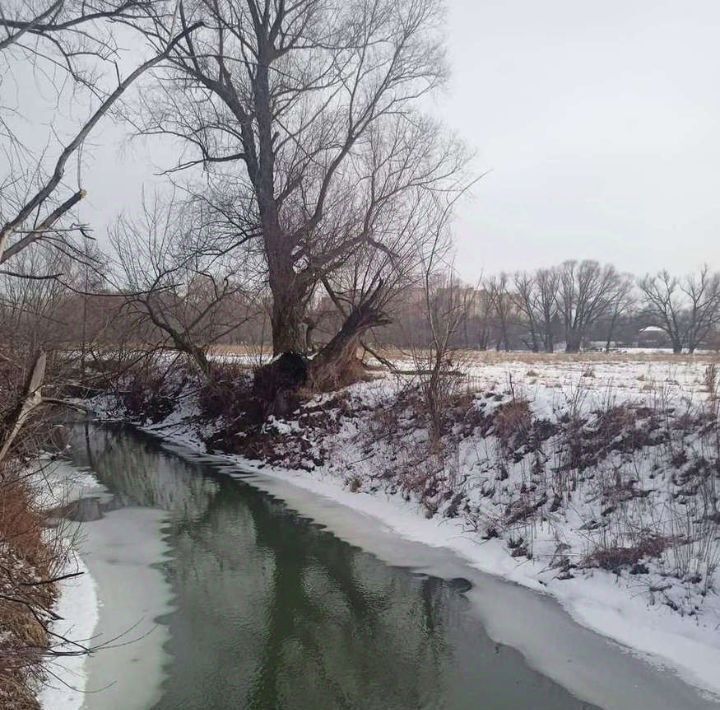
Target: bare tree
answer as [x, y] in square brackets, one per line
[446, 304]
[536, 296]
[503, 306]
[303, 115]
[179, 290]
[586, 293]
[34, 199]
[64, 26]
[32, 299]
[622, 302]
[548, 283]
[397, 206]
[526, 291]
[662, 299]
[687, 310]
[703, 294]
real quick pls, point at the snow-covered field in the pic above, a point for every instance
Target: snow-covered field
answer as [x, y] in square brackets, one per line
[550, 379]
[638, 376]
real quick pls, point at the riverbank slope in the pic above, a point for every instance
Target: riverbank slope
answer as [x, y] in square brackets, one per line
[597, 486]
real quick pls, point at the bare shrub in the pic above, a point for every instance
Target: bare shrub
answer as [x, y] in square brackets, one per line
[31, 558]
[225, 392]
[694, 555]
[337, 375]
[446, 305]
[513, 421]
[613, 557]
[149, 392]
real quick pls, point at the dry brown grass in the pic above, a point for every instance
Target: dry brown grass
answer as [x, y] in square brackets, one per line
[28, 556]
[615, 557]
[513, 420]
[493, 357]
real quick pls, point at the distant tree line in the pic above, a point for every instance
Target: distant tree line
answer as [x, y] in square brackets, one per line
[578, 305]
[573, 306]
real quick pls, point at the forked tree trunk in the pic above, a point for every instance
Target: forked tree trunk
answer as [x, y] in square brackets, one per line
[199, 355]
[337, 363]
[181, 341]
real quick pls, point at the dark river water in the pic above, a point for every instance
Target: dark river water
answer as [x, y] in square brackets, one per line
[269, 610]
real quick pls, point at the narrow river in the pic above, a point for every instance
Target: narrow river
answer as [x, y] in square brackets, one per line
[217, 594]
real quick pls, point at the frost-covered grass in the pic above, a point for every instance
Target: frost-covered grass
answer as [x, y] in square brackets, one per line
[549, 379]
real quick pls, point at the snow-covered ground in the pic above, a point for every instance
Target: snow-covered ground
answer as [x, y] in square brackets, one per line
[77, 608]
[551, 379]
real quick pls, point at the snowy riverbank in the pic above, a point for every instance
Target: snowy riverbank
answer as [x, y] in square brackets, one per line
[659, 636]
[598, 603]
[78, 612]
[586, 481]
[77, 608]
[111, 607]
[378, 522]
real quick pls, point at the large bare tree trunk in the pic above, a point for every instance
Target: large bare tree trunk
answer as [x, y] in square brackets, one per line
[572, 342]
[309, 100]
[288, 314]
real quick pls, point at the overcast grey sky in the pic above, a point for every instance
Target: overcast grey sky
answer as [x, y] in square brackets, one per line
[599, 121]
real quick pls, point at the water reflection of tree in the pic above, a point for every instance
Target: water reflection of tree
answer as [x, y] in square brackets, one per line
[137, 472]
[331, 627]
[376, 626]
[337, 628]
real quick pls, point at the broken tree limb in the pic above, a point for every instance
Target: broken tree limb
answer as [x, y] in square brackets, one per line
[31, 398]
